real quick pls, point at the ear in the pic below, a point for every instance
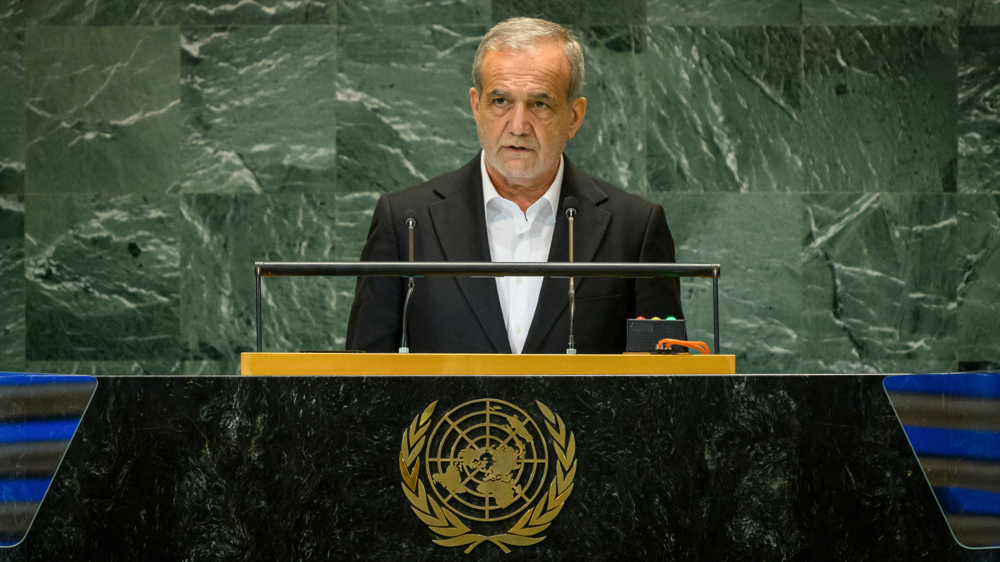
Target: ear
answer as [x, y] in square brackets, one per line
[579, 109]
[474, 100]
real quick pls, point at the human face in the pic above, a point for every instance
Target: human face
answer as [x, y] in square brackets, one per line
[523, 116]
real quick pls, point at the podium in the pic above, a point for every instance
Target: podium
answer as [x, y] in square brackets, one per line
[447, 364]
[668, 467]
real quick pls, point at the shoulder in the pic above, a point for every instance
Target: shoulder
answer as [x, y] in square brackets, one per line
[438, 187]
[607, 195]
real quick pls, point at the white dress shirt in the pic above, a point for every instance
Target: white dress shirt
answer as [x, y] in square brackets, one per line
[519, 237]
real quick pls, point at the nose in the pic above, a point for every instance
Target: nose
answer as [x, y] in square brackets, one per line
[519, 125]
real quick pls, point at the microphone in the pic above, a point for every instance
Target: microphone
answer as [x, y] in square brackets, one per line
[404, 345]
[570, 204]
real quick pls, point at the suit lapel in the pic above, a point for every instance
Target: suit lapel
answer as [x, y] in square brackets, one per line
[460, 225]
[589, 226]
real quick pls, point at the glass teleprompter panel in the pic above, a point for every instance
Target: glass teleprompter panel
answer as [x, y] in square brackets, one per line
[39, 415]
[953, 424]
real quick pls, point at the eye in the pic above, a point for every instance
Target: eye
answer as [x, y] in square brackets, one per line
[499, 101]
[540, 105]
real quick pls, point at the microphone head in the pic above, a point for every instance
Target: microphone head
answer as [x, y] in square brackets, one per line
[570, 203]
[410, 221]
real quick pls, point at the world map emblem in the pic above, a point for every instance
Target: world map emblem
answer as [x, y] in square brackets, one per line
[493, 473]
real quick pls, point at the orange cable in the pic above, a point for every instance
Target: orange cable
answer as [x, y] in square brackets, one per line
[700, 346]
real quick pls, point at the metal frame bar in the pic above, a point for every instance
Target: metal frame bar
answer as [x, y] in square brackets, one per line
[715, 306]
[260, 331]
[487, 269]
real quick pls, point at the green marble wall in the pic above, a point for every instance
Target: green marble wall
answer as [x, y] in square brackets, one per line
[840, 158]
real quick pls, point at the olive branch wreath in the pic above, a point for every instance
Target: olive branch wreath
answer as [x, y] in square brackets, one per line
[445, 523]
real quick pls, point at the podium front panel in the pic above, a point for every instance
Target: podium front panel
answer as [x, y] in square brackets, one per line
[666, 468]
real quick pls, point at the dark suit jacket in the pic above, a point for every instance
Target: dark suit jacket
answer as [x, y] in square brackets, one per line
[463, 315]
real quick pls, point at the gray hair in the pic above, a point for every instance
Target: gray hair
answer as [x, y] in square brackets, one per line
[522, 34]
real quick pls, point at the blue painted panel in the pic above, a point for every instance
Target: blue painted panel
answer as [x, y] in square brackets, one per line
[959, 443]
[983, 385]
[21, 379]
[51, 430]
[29, 429]
[962, 500]
[24, 490]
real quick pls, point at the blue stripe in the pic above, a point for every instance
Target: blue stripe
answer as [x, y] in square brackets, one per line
[961, 443]
[962, 500]
[25, 490]
[21, 379]
[982, 385]
[53, 430]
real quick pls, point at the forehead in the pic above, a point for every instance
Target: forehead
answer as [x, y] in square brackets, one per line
[542, 69]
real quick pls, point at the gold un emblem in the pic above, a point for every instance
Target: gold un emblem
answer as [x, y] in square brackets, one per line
[487, 463]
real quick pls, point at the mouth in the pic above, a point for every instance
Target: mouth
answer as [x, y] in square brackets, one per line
[517, 148]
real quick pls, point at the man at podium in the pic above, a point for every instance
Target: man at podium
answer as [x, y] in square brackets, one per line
[509, 204]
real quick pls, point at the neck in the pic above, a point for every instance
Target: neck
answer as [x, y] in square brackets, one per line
[525, 192]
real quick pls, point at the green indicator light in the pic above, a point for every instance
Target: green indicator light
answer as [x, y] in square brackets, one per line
[670, 318]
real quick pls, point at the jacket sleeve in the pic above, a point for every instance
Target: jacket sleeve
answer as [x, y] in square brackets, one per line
[375, 324]
[657, 297]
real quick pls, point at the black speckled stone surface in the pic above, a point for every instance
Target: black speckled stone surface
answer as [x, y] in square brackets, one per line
[670, 468]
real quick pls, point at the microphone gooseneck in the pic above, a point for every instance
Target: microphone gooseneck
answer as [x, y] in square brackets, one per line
[404, 344]
[570, 204]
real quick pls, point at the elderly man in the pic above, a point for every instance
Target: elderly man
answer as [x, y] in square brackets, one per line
[506, 205]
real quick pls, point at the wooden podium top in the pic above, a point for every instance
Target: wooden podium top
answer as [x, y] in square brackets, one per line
[378, 364]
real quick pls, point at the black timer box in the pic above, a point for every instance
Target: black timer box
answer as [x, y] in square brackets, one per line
[643, 335]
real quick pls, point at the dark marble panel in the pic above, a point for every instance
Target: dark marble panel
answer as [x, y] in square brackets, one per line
[574, 12]
[222, 237]
[166, 12]
[111, 368]
[611, 144]
[12, 11]
[756, 238]
[103, 277]
[879, 106]
[258, 109]
[978, 250]
[115, 12]
[724, 111]
[135, 368]
[271, 12]
[354, 218]
[681, 468]
[724, 12]
[11, 97]
[880, 283]
[11, 282]
[401, 12]
[881, 12]
[979, 12]
[979, 110]
[103, 109]
[403, 113]
[212, 368]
